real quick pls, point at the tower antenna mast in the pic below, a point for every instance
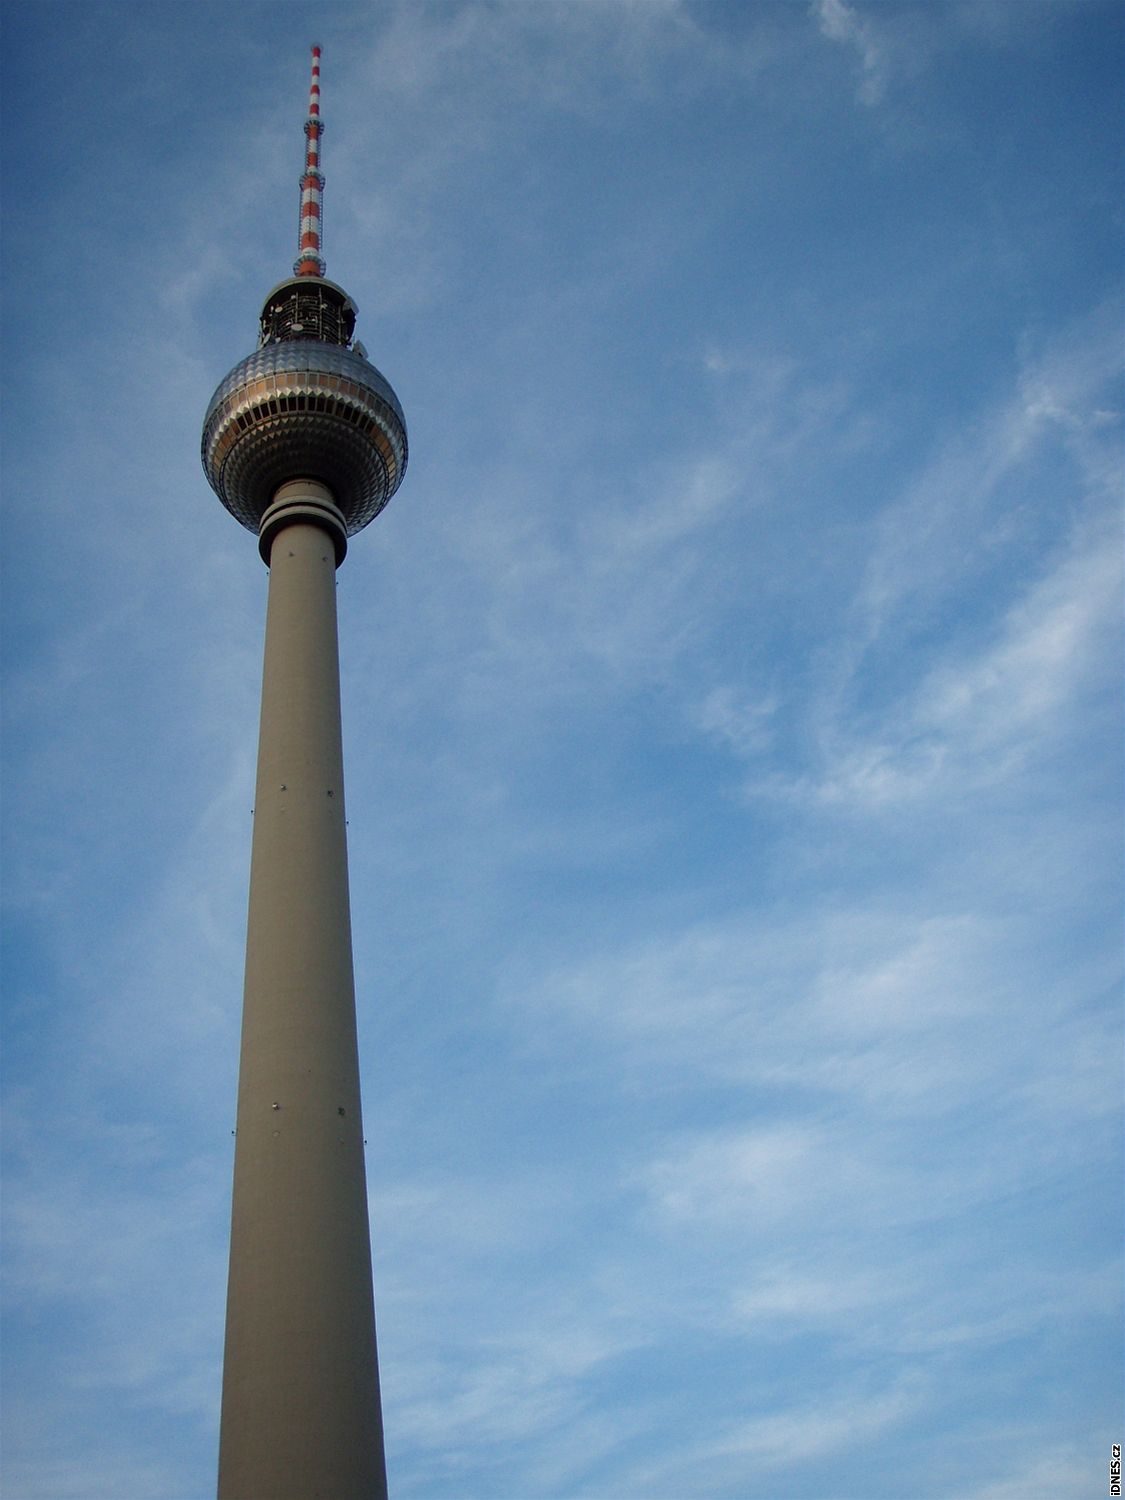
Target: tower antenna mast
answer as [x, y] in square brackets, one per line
[309, 260]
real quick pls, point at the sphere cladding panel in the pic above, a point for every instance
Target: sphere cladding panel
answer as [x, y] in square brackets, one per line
[304, 410]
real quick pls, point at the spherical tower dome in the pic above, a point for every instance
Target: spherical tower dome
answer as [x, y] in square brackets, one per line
[305, 405]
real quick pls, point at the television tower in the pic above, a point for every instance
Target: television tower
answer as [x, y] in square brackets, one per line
[304, 442]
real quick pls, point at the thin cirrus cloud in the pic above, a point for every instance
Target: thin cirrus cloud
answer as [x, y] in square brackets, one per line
[844, 24]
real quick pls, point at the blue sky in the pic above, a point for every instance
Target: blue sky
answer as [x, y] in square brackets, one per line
[732, 704]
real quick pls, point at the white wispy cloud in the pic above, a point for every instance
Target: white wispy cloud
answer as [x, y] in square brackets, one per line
[814, 1432]
[994, 697]
[756, 1452]
[1045, 1471]
[842, 23]
[979, 721]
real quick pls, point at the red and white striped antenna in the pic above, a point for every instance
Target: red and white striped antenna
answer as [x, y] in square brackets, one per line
[309, 260]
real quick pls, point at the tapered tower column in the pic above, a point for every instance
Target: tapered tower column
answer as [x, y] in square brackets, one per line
[301, 1414]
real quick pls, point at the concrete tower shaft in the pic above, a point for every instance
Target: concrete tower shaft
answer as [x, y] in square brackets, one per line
[301, 1410]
